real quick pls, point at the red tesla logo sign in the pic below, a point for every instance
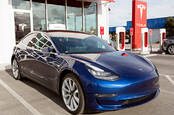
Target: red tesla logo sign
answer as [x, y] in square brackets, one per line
[141, 14]
[101, 30]
[139, 20]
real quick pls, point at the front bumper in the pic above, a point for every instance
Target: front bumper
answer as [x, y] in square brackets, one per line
[128, 91]
[124, 94]
[109, 104]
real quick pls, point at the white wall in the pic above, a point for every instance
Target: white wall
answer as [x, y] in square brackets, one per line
[7, 32]
[103, 19]
[7, 28]
[156, 35]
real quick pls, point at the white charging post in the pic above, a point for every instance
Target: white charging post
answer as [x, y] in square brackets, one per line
[144, 41]
[120, 41]
[162, 36]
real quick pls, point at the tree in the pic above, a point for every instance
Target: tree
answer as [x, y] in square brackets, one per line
[170, 26]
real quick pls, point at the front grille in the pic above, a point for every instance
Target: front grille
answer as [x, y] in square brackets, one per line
[136, 101]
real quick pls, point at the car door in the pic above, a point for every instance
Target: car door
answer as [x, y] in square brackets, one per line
[26, 55]
[46, 64]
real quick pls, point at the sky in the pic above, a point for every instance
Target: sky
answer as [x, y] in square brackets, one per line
[121, 10]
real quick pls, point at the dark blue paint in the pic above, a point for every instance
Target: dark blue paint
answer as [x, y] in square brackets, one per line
[133, 83]
[138, 77]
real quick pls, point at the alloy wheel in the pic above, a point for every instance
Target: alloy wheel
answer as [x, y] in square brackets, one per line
[15, 69]
[171, 49]
[70, 94]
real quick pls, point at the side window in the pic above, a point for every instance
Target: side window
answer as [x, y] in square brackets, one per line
[49, 44]
[32, 43]
[39, 45]
[28, 38]
[39, 42]
[43, 41]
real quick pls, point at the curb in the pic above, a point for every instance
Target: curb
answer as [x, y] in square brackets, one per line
[5, 67]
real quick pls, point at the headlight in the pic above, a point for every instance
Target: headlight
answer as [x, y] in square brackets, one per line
[101, 74]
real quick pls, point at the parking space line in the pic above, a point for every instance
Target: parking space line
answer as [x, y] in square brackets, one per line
[150, 55]
[170, 79]
[20, 99]
[165, 91]
[165, 75]
[162, 74]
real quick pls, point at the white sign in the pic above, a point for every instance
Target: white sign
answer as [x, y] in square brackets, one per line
[57, 27]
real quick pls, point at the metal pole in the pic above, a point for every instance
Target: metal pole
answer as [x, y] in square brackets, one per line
[150, 43]
[131, 43]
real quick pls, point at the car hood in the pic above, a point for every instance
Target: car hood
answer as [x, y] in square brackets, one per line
[119, 62]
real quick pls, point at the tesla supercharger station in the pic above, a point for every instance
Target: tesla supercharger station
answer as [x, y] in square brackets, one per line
[144, 41]
[162, 36]
[120, 41]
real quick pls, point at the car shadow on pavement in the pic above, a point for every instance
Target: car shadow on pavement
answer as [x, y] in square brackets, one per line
[43, 90]
[48, 93]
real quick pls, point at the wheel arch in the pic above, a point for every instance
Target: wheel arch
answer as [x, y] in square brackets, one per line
[63, 74]
[12, 58]
[170, 45]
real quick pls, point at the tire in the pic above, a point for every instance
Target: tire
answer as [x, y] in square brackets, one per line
[72, 94]
[170, 49]
[16, 70]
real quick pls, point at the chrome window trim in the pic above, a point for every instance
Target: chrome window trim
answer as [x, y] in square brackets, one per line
[31, 16]
[83, 15]
[66, 15]
[97, 17]
[46, 14]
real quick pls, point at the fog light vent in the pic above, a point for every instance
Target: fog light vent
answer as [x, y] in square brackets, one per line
[106, 95]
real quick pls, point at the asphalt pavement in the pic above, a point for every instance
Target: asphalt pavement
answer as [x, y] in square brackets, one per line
[29, 98]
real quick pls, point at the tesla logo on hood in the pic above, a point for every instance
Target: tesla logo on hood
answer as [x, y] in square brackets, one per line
[141, 7]
[124, 54]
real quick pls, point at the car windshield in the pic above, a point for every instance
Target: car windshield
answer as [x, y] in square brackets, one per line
[90, 44]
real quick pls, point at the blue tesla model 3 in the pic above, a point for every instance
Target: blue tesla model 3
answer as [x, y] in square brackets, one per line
[85, 71]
